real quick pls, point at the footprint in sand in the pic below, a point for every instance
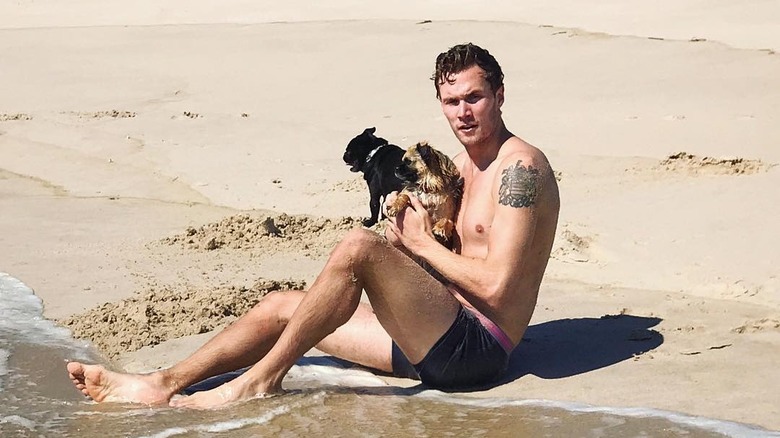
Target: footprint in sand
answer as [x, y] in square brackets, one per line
[759, 325]
[14, 117]
[112, 114]
[571, 247]
[349, 185]
[689, 164]
[187, 115]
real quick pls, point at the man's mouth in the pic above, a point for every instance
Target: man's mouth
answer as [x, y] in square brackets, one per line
[467, 128]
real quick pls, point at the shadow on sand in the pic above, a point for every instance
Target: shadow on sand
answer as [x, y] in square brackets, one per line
[567, 347]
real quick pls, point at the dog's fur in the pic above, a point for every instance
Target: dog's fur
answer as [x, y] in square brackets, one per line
[378, 160]
[433, 178]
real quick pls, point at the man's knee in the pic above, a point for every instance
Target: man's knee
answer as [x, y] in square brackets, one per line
[358, 243]
[277, 306]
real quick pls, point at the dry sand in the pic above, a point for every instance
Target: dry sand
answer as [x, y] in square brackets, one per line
[167, 164]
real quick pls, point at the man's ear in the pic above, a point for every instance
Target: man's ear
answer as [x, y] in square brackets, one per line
[500, 96]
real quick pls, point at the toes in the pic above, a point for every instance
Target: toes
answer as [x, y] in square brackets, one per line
[179, 401]
[75, 369]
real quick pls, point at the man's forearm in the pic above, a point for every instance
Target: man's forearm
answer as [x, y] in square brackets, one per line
[472, 275]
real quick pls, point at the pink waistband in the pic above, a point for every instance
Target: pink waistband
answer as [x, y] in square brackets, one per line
[494, 330]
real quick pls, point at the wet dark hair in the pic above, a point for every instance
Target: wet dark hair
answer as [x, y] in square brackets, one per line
[463, 56]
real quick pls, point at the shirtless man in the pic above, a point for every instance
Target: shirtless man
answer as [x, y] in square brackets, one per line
[457, 335]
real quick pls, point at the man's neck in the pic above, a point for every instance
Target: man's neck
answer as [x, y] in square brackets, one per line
[483, 154]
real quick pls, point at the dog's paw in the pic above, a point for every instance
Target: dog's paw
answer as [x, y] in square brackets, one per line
[368, 223]
[442, 231]
[399, 203]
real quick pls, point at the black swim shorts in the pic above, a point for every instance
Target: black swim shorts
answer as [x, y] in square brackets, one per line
[466, 356]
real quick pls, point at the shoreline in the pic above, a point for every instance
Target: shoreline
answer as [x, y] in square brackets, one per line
[670, 261]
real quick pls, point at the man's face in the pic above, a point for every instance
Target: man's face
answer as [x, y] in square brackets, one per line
[471, 107]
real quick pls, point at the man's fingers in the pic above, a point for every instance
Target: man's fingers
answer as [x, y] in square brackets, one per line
[417, 205]
[393, 234]
[393, 229]
[391, 224]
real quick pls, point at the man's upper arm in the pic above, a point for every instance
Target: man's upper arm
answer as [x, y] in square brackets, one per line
[516, 195]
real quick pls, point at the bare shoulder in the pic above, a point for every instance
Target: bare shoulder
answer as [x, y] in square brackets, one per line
[460, 160]
[517, 149]
[523, 174]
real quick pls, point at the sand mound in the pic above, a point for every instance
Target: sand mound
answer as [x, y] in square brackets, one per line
[167, 313]
[310, 236]
[571, 247]
[694, 165]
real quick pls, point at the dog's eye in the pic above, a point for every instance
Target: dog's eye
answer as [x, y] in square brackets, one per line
[407, 161]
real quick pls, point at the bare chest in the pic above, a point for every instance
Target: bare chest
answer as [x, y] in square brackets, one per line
[475, 217]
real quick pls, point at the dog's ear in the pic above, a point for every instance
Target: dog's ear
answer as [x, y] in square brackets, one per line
[428, 155]
[369, 130]
[424, 150]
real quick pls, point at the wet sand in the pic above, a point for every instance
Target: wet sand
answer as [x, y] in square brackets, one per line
[120, 144]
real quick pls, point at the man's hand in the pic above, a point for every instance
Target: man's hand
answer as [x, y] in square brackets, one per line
[411, 228]
[389, 234]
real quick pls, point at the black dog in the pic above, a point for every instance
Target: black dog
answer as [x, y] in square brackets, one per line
[377, 159]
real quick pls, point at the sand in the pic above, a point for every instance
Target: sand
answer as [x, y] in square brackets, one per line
[181, 153]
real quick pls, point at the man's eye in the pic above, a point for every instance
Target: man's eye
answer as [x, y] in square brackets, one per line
[473, 99]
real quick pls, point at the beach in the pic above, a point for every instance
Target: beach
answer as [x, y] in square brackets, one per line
[164, 166]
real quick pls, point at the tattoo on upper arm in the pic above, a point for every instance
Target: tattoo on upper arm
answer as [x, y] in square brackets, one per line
[518, 186]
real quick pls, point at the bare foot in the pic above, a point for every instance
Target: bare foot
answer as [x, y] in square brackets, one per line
[231, 392]
[101, 385]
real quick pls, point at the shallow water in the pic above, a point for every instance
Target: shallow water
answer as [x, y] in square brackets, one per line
[37, 399]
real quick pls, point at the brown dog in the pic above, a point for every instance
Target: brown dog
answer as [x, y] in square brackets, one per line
[433, 178]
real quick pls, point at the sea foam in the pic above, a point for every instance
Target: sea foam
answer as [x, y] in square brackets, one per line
[728, 428]
[22, 321]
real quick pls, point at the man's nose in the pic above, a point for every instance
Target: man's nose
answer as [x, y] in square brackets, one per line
[464, 110]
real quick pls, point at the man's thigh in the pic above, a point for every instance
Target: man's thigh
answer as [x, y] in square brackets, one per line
[361, 340]
[413, 308]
